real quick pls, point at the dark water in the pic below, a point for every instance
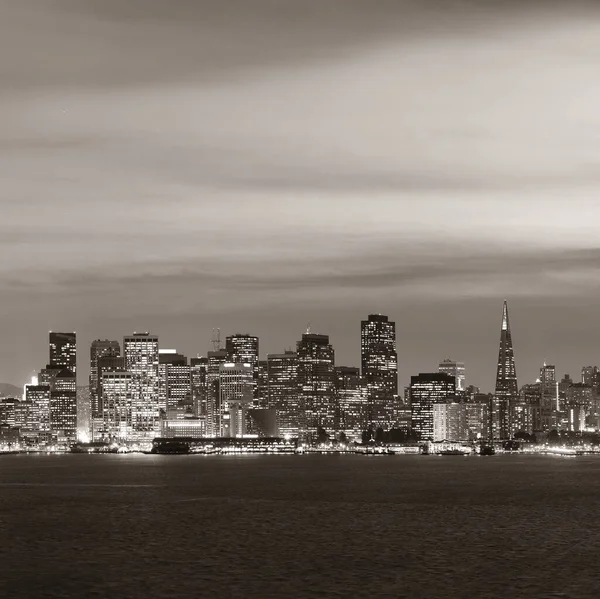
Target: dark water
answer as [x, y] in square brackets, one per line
[299, 526]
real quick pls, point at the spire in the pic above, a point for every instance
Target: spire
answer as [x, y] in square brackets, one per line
[505, 323]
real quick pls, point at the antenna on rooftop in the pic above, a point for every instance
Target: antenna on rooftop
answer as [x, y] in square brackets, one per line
[308, 329]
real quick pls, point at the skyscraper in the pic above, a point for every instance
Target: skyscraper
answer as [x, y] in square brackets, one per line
[426, 390]
[141, 360]
[243, 349]
[507, 390]
[175, 382]
[100, 348]
[117, 406]
[316, 384]
[455, 369]
[282, 391]
[352, 401]
[63, 350]
[236, 386]
[215, 359]
[63, 406]
[379, 362]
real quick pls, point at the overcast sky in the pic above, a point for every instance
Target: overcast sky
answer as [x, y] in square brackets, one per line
[180, 165]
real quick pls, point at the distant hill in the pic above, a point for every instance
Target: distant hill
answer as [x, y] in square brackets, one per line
[7, 390]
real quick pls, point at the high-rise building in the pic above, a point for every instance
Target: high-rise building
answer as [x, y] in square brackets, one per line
[117, 406]
[352, 401]
[215, 359]
[198, 368]
[141, 360]
[175, 381]
[549, 397]
[316, 384]
[379, 363]
[236, 387]
[459, 421]
[426, 390]
[63, 350]
[455, 369]
[63, 406]
[100, 348]
[283, 393]
[243, 349]
[507, 390]
[39, 395]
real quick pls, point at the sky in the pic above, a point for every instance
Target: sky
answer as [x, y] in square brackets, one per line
[258, 165]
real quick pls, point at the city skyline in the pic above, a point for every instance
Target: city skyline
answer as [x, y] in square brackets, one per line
[264, 183]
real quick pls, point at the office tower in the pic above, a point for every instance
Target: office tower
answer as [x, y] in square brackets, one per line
[590, 375]
[198, 368]
[215, 359]
[282, 391]
[243, 349]
[63, 350]
[141, 360]
[352, 401]
[379, 363]
[459, 421]
[63, 406]
[455, 369]
[236, 388]
[117, 404]
[175, 381]
[507, 390]
[426, 390]
[316, 384]
[40, 396]
[262, 390]
[84, 413]
[549, 397]
[100, 348]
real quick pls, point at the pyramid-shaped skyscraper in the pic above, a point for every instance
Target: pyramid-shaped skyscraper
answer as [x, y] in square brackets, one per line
[506, 374]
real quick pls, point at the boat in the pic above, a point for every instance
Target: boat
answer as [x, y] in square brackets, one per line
[462, 452]
[487, 450]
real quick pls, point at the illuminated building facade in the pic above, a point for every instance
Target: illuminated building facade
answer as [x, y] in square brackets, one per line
[427, 390]
[379, 363]
[316, 384]
[507, 390]
[215, 360]
[117, 407]
[175, 379]
[63, 406]
[63, 351]
[352, 401]
[455, 369]
[100, 348]
[236, 386]
[283, 393]
[39, 395]
[141, 360]
[459, 421]
[243, 349]
[198, 369]
[549, 397]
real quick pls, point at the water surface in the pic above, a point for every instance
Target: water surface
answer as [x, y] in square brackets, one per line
[140, 526]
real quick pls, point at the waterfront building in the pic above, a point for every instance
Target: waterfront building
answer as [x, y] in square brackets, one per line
[63, 406]
[215, 360]
[236, 387]
[100, 348]
[427, 390]
[243, 349]
[118, 412]
[379, 364]
[141, 360]
[282, 391]
[316, 384]
[352, 401]
[175, 379]
[39, 395]
[507, 390]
